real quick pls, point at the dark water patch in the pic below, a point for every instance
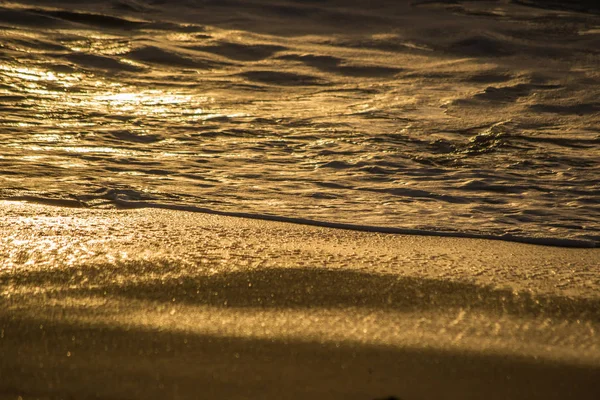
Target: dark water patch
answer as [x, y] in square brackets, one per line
[357, 15]
[392, 44]
[484, 142]
[51, 201]
[174, 27]
[587, 6]
[160, 172]
[336, 65]
[592, 199]
[428, 75]
[134, 137]
[291, 11]
[481, 185]
[156, 55]
[561, 161]
[481, 46]
[240, 52]
[19, 118]
[334, 153]
[28, 18]
[390, 138]
[123, 161]
[332, 185]
[117, 194]
[441, 146]
[368, 71]
[4, 172]
[421, 195]
[37, 45]
[94, 61]
[11, 99]
[281, 78]
[377, 170]
[131, 6]
[571, 109]
[96, 20]
[504, 94]
[60, 68]
[324, 196]
[337, 165]
[313, 60]
[563, 141]
[462, 9]
[489, 77]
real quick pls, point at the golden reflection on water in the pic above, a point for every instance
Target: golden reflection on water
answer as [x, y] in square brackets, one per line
[83, 101]
[93, 93]
[37, 74]
[83, 149]
[143, 103]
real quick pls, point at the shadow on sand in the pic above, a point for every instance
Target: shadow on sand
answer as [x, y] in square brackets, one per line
[300, 288]
[41, 359]
[51, 358]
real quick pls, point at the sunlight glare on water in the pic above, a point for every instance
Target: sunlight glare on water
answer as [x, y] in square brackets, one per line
[390, 124]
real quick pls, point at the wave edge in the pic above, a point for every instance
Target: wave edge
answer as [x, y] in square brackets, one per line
[129, 204]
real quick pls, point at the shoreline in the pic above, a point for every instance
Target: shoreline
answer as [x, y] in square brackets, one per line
[128, 204]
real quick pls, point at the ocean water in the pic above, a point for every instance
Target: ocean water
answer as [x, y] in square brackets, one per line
[476, 118]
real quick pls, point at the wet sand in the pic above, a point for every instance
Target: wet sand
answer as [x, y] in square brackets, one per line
[167, 304]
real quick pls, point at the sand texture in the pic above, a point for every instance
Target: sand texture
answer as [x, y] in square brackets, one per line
[159, 304]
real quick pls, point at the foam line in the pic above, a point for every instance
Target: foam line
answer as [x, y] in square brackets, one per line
[120, 203]
[543, 241]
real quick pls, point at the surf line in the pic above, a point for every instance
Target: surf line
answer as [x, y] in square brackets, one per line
[542, 241]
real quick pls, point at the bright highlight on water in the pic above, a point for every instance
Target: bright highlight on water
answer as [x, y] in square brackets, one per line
[455, 118]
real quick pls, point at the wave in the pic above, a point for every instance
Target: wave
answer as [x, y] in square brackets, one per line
[430, 116]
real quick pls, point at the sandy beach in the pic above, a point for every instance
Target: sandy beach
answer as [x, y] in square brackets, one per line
[156, 303]
[293, 199]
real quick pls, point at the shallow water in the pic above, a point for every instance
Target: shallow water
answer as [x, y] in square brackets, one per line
[477, 117]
